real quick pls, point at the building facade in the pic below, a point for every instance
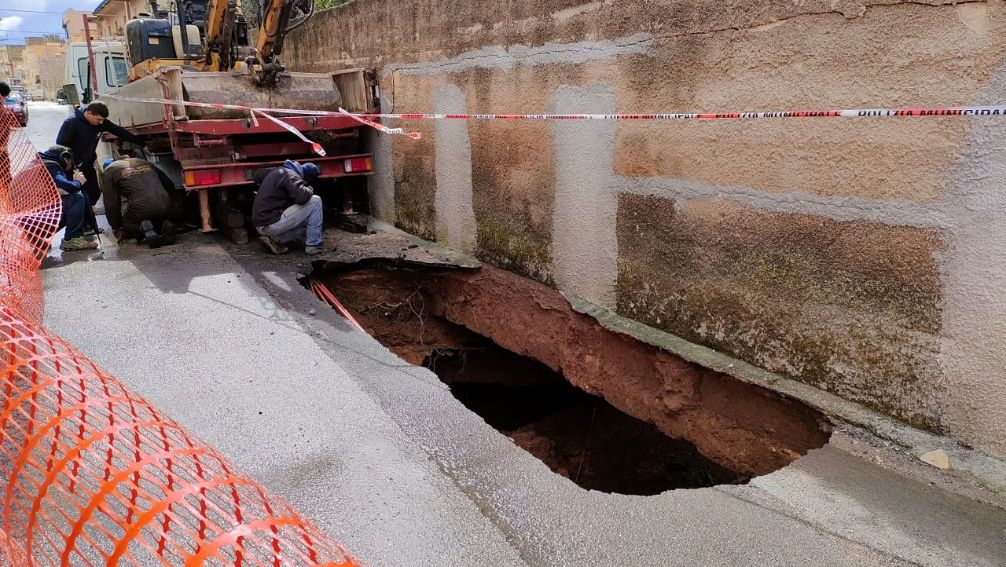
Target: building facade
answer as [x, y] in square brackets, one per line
[40, 54]
[12, 64]
[111, 15]
[73, 25]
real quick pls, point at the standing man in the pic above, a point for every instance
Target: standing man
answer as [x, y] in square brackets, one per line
[80, 133]
[286, 210]
[138, 201]
[58, 161]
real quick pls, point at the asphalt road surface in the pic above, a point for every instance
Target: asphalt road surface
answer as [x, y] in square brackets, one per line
[44, 120]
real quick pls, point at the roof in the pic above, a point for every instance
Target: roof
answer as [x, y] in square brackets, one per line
[104, 4]
[98, 8]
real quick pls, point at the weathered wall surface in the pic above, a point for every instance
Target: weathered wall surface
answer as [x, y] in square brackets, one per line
[867, 256]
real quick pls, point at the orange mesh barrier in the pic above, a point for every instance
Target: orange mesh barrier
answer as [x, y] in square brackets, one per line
[90, 473]
[29, 213]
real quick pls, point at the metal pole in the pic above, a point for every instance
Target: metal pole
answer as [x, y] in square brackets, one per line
[90, 58]
[183, 28]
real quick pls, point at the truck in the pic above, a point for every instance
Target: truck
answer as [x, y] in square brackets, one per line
[150, 78]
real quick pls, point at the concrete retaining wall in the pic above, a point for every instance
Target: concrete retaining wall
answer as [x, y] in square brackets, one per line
[866, 257]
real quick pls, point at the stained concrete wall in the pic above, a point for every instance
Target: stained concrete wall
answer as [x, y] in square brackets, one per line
[867, 256]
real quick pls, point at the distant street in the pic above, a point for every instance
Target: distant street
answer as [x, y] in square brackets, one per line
[44, 119]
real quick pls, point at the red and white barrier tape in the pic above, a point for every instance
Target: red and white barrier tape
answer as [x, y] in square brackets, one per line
[847, 113]
[380, 127]
[315, 146]
[368, 119]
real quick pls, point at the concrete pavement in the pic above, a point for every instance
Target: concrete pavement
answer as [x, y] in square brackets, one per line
[380, 454]
[44, 120]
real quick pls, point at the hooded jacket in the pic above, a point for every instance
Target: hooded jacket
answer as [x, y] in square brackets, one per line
[278, 189]
[52, 159]
[81, 137]
[135, 191]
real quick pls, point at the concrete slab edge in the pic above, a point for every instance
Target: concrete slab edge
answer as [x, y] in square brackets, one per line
[973, 466]
[983, 470]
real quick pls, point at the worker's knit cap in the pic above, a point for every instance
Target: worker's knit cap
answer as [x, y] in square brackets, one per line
[306, 171]
[311, 172]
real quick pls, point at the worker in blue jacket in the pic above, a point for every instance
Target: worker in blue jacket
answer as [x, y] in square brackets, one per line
[81, 132]
[58, 160]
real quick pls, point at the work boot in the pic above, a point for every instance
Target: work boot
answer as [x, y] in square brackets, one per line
[150, 236]
[313, 250]
[78, 243]
[273, 245]
[168, 233]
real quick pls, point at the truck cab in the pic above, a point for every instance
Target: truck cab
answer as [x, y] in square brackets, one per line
[111, 68]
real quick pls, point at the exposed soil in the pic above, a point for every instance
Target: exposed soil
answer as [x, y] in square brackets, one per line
[596, 406]
[579, 436]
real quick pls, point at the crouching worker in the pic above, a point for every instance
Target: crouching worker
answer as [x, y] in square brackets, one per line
[58, 160]
[138, 201]
[286, 210]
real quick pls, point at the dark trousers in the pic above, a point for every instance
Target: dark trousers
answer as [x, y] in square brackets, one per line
[131, 228]
[91, 188]
[76, 209]
[93, 192]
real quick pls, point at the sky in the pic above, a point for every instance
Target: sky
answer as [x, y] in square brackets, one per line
[20, 18]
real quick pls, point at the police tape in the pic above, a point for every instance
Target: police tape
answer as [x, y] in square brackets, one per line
[846, 113]
[369, 119]
[379, 127]
[315, 146]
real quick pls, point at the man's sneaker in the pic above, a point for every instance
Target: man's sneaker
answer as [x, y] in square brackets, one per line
[168, 233]
[273, 245]
[78, 243]
[312, 250]
[89, 231]
[150, 236]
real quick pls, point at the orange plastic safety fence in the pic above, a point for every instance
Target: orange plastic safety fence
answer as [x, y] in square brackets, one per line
[29, 213]
[91, 473]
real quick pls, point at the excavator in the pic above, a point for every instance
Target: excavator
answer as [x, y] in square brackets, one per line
[219, 41]
[199, 54]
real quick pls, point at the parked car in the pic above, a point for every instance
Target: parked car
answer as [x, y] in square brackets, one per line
[19, 107]
[61, 97]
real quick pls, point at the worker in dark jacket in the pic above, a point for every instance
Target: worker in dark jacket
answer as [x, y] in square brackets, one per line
[138, 201]
[58, 160]
[80, 133]
[286, 210]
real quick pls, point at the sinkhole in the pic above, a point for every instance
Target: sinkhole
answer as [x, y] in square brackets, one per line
[598, 407]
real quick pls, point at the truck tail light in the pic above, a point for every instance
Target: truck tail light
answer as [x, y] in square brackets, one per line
[355, 165]
[200, 177]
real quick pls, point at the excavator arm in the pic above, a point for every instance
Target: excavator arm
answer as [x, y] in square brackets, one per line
[223, 39]
[220, 20]
[279, 17]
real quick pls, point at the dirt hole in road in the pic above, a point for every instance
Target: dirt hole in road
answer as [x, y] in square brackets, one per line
[601, 408]
[580, 436]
